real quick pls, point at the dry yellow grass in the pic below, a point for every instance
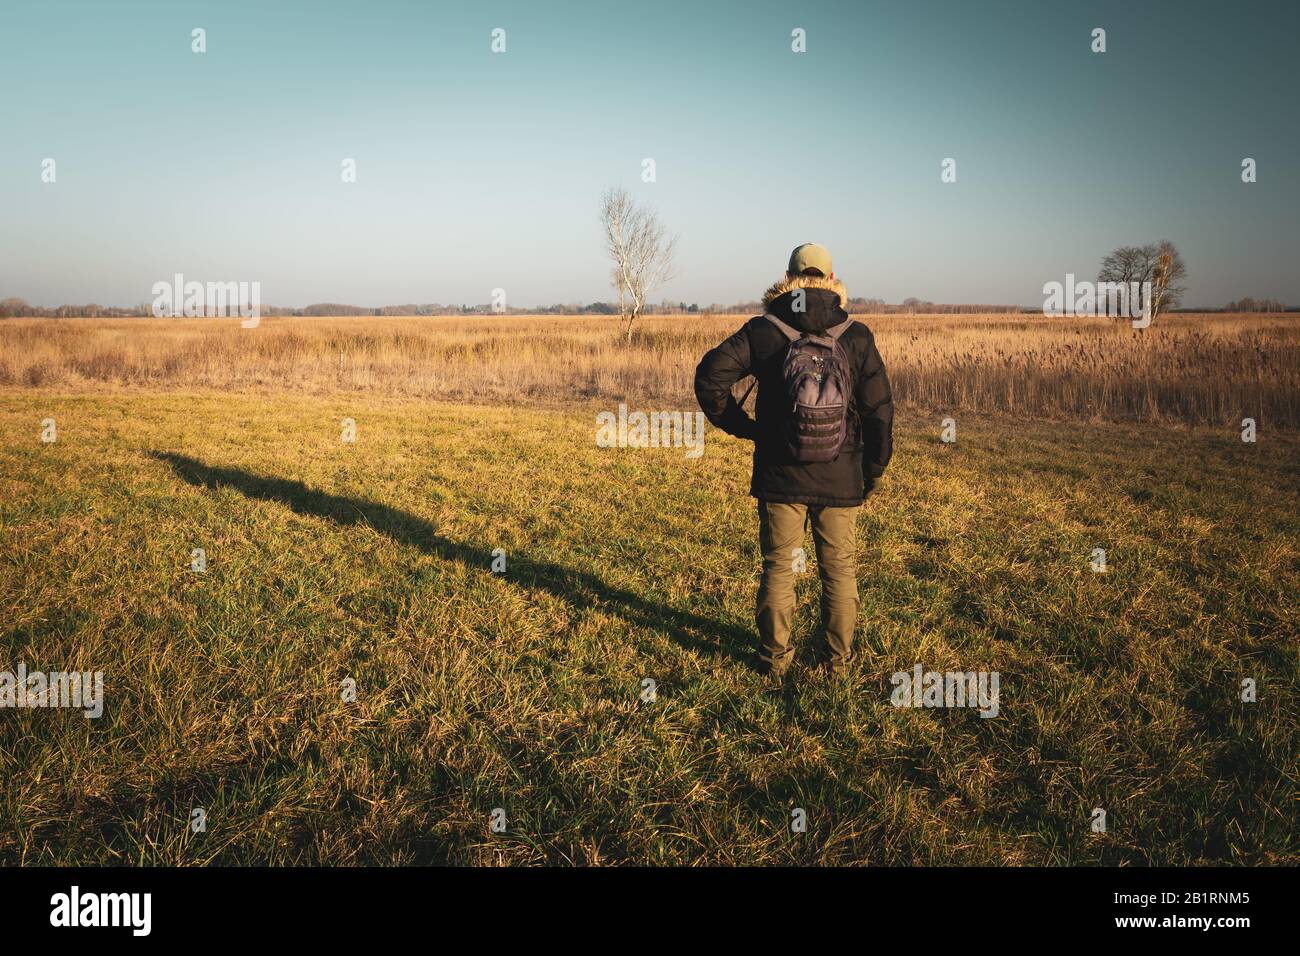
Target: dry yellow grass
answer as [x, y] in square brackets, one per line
[1208, 369]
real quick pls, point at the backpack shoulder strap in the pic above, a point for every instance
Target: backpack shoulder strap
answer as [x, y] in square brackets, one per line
[794, 335]
[789, 331]
[835, 331]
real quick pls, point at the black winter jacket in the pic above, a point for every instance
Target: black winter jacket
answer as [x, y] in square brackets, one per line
[759, 349]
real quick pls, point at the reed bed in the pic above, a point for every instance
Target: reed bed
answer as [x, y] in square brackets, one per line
[1197, 369]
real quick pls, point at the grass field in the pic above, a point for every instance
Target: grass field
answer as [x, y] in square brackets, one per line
[371, 561]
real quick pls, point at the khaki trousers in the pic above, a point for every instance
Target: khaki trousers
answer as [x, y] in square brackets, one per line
[781, 537]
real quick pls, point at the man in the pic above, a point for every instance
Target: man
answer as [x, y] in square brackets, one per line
[816, 457]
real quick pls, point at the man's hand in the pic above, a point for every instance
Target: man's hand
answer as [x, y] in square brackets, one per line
[749, 430]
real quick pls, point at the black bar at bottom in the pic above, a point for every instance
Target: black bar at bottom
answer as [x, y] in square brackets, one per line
[335, 906]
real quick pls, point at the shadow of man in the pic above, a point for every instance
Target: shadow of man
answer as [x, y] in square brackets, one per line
[578, 588]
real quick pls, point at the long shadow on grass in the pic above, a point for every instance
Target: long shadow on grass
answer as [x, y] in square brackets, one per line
[579, 588]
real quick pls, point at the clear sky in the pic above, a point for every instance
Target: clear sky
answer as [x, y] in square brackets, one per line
[478, 170]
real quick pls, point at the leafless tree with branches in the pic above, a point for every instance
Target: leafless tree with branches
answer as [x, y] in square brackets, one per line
[642, 251]
[1156, 262]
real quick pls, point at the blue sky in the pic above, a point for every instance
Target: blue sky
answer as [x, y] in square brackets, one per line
[478, 170]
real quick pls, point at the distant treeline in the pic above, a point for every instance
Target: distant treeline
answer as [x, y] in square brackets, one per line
[20, 308]
[1256, 305]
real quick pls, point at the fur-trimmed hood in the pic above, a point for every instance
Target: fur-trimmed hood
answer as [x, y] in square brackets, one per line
[788, 283]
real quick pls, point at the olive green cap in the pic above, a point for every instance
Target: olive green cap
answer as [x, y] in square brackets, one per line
[811, 256]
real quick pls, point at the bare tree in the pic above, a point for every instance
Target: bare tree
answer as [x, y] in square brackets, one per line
[1123, 265]
[1168, 272]
[1156, 262]
[642, 251]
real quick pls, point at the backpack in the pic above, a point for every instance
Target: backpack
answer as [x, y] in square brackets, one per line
[819, 387]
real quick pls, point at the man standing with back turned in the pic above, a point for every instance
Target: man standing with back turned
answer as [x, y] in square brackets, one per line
[822, 438]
